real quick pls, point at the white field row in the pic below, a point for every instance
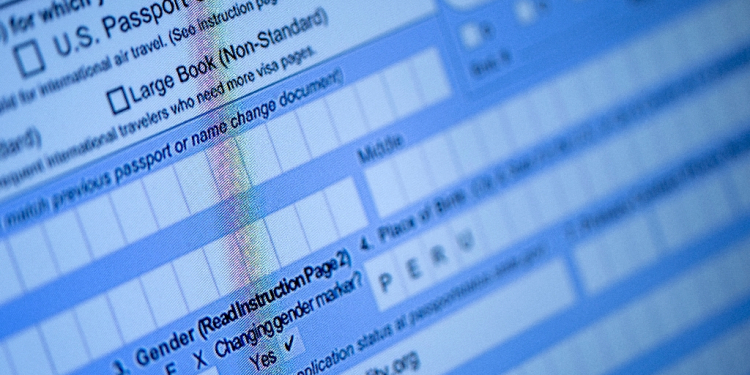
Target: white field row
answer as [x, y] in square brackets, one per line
[625, 248]
[433, 256]
[725, 355]
[107, 223]
[639, 327]
[570, 186]
[106, 322]
[537, 296]
[556, 105]
[602, 260]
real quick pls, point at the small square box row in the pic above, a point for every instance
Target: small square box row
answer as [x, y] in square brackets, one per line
[157, 298]
[140, 208]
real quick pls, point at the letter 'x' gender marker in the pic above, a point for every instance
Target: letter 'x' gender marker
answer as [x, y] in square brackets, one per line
[199, 360]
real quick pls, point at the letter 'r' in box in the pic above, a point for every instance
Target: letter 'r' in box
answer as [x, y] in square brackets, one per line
[28, 58]
[118, 101]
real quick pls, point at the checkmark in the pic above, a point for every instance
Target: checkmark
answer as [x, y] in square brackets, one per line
[288, 346]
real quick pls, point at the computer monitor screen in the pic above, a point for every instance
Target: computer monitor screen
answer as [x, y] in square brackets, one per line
[209, 187]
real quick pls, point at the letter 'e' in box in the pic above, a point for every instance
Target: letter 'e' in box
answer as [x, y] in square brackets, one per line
[118, 101]
[28, 58]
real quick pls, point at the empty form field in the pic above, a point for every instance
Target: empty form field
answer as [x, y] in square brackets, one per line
[537, 296]
[288, 237]
[32, 256]
[346, 114]
[131, 310]
[10, 285]
[723, 355]
[98, 326]
[257, 250]
[402, 86]
[197, 182]
[4, 361]
[385, 187]
[693, 213]
[258, 153]
[27, 352]
[64, 342]
[165, 196]
[470, 151]
[616, 253]
[195, 279]
[412, 169]
[227, 264]
[431, 77]
[288, 140]
[100, 226]
[375, 101]
[228, 169]
[66, 239]
[346, 207]
[316, 125]
[443, 167]
[654, 318]
[316, 220]
[133, 211]
[164, 295]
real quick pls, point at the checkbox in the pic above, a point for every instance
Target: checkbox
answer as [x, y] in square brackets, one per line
[471, 35]
[118, 101]
[28, 58]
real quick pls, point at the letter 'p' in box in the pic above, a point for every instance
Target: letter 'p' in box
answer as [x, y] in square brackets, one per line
[28, 58]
